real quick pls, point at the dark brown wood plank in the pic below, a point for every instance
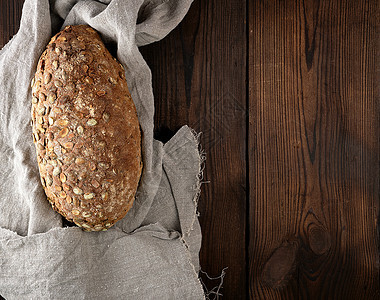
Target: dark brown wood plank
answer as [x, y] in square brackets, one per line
[199, 77]
[314, 149]
[10, 15]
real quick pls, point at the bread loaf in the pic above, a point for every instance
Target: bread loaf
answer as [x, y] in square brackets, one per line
[85, 130]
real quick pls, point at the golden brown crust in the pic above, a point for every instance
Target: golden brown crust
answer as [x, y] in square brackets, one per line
[85, 130]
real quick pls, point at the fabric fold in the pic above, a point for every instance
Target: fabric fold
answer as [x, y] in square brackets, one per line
[68, 263]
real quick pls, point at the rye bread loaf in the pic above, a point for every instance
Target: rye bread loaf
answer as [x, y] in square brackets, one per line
[85, 130]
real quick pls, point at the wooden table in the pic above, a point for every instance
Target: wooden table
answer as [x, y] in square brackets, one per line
[286, 94]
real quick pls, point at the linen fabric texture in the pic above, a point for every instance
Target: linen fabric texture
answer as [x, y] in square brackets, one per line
[153, 253]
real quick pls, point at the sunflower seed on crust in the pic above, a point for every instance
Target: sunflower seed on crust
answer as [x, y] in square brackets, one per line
[88, 196]
[92, 122]
[77, 191]
[75, 212]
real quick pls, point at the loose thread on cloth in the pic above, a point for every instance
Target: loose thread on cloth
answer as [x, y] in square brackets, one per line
[215, 291]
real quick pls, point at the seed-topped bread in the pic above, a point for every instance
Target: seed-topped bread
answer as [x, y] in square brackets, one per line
[85, 130]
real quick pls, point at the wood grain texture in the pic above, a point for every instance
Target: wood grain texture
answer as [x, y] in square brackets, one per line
[199, 77]
[313, 150]
[10, 15]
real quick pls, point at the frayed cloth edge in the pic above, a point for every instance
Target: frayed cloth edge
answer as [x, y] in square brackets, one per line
[197, 188]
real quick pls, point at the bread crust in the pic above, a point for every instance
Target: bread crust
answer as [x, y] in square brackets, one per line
[86, 130]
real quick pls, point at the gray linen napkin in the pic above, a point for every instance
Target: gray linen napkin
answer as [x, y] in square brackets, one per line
[153, 252]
